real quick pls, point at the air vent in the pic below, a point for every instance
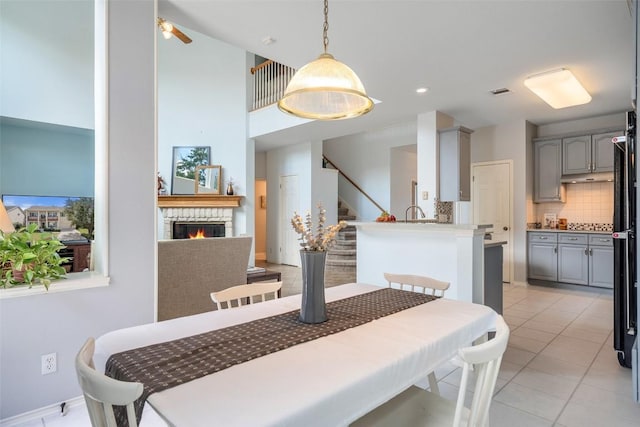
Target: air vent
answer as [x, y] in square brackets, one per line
[501, 91]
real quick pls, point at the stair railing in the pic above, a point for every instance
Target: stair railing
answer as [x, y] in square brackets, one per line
[270, 79]
[356, 186]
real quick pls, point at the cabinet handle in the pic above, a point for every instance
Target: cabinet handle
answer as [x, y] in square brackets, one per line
[586, 252]
[543, 238]
[591, 252]
[572, 238]
[605, 240]
[555, 250]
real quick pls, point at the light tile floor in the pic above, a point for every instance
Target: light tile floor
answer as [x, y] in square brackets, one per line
[560, 368]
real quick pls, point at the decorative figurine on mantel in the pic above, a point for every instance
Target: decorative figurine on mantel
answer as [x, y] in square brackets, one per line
[162, 185]
[230, 187]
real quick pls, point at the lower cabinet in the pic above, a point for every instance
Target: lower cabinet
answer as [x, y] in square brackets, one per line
[576, 258]
[543, 261]
[573, 258]
[601, 261]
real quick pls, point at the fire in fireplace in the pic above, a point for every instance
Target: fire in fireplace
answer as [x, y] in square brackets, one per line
[196, 230]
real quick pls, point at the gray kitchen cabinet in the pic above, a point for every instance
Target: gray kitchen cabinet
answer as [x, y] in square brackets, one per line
[588, 153]
[602, 151]
[577, 258]
[455, 164]
[543, 257]
[576, 155]
[547, 163]
[573, 259]
[601, 261]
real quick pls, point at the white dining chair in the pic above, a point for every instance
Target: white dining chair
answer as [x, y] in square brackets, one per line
[416, 283]
[102, 392]
[242, 293]
[425, 285]
[418, 407]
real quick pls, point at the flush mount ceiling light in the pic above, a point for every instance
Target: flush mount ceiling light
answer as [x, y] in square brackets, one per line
[558, 88]
[422, 90]
[325, 89]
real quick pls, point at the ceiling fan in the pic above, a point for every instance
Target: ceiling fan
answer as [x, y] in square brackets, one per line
[168, 29]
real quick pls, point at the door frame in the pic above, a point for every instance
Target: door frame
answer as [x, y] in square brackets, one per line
[508, 162]
[284, 229]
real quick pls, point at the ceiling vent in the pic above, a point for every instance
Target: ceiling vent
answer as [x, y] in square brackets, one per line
[501, 91]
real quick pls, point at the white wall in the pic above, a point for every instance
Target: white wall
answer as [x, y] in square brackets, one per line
[46, 76]
[592, 123]
[61, 322]
[202, 102]
[428, 125]
[404, 165]
[372, 172]
[502, 142]
[286, 161]
[316, 185]
[261, 165]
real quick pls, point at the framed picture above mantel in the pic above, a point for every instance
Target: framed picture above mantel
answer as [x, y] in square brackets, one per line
[199, 201]
[183, 168]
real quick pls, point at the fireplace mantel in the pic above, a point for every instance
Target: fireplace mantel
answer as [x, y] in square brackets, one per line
[199, 201]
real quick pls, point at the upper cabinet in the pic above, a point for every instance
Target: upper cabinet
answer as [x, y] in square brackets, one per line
[547, 163]
[455, 164]
[588, 153]
[576, 155]
[602, 151]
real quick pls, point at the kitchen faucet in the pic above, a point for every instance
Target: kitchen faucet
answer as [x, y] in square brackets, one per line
[414, 207]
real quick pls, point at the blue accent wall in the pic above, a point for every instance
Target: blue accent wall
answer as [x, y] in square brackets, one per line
[45, 159]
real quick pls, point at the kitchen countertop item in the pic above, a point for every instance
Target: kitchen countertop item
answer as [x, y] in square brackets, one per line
[490, 243]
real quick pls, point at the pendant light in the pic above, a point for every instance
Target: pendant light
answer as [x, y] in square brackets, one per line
[325, 89]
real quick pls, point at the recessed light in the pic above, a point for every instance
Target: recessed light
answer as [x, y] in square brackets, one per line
[422, 90]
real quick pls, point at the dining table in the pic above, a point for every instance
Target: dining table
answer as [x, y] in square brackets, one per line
[329, 381]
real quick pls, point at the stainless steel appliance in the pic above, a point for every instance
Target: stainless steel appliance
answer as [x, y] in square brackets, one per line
[624, 232]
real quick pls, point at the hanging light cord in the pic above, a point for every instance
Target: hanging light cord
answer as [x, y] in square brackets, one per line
[325, 28]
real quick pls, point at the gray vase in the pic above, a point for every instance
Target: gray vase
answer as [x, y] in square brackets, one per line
[313, 308]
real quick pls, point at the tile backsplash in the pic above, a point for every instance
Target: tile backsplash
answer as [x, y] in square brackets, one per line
[586, 203]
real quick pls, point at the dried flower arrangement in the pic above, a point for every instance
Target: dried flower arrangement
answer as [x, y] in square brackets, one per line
[323, 238]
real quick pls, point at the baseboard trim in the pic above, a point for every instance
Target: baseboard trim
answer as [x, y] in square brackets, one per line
[523, 284]
[43, 412]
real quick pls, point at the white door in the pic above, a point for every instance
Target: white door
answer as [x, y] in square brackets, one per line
[492, 205]
[289, 203]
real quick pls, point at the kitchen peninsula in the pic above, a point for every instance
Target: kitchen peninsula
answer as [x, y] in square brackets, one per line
[449, 252]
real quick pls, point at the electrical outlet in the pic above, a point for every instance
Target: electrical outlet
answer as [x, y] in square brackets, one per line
[49, 363]
[425, 195]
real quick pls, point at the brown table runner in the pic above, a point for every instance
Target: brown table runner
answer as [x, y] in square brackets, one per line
[165, 365]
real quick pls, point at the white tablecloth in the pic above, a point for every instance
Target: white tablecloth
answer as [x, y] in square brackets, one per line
[330, 381]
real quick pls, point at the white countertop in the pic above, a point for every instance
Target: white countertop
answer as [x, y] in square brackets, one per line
[552, 230]
[492, 243]
[421, 225]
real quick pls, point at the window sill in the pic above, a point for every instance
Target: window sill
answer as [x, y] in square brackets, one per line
[74, 281]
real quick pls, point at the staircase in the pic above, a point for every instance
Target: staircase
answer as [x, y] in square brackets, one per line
[340, 267]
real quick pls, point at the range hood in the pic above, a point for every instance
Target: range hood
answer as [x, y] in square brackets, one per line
[587, 177]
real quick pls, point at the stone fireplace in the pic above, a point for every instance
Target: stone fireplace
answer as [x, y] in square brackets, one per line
[198, 209]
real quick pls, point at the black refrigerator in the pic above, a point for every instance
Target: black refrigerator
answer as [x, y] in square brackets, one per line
[625, 297]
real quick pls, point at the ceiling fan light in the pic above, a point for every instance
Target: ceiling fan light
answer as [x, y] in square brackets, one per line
[166, 34]
[325, 89]
[558, 88]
